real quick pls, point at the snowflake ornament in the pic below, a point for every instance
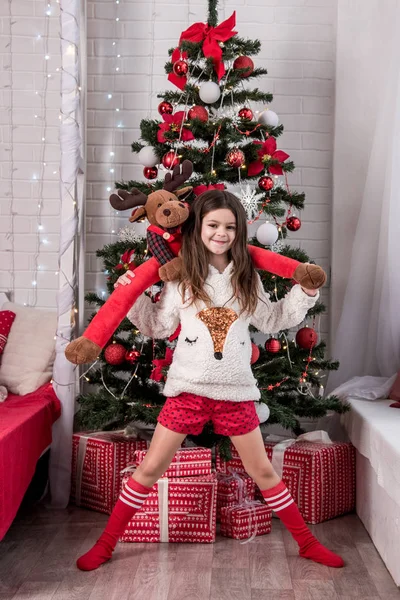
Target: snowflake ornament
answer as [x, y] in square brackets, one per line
[128, 234]
[250, 200]
[278, 246]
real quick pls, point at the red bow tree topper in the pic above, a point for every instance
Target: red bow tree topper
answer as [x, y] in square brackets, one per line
[266, 153]
[210, 36]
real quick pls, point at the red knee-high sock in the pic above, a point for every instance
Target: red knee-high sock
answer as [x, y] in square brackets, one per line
[281, 502]
[129, 502]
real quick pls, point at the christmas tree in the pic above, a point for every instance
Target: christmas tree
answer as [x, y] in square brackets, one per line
[211, 121]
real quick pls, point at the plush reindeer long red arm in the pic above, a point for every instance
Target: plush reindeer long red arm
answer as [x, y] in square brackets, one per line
[166, 212]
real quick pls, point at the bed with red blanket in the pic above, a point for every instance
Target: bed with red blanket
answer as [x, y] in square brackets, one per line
[25, 433]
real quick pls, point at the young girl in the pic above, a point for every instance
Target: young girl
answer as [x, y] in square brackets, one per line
[210, 378]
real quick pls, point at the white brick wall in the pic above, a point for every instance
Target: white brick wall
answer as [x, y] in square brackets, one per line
[24, 72]
[298, 41]
[298, 44]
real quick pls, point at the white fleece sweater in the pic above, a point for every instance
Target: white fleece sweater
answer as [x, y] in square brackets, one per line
[209, 359]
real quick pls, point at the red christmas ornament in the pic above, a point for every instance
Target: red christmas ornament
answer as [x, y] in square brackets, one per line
[114, 354]
[255, 353]
[198, 112]
[306, 338]
[165, 108]
[180, 68]
[235, 158]
[156, 298]
[246, 114]
[150, 172]
[244, 62]
[272, 345]
[293, 223]
[266, 183]
[170, 159]
[132, 355]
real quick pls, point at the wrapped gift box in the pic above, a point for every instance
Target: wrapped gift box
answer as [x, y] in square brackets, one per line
[97, 461]
[177, 510]
[187, 462]
[244, 522]
[320, 476]
[233, 489]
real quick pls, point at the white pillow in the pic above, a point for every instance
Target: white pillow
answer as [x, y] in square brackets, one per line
[367, 387]
[27, 360]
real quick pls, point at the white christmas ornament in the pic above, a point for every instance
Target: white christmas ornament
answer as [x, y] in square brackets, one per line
[267, 234]
[250, 200]
[268, 117]
[262, 411]
[209, 92]
[129, 234]
[148, 156]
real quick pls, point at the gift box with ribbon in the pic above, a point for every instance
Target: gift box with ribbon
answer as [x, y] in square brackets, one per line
[97, 461]
[187, 462]
[177, 510]
[319, 473]
[233, 489]
[246, 521]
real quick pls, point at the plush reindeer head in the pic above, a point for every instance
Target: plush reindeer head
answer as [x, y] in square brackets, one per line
[161, 207]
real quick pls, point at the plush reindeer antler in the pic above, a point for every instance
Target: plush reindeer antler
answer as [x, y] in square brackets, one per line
[123, 200]
[179, 175]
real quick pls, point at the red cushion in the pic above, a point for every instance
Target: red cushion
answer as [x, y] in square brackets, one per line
[6, 320]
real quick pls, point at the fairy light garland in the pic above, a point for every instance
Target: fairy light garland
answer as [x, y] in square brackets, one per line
[38, 175]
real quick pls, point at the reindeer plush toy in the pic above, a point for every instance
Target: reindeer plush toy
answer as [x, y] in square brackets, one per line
[166, 211]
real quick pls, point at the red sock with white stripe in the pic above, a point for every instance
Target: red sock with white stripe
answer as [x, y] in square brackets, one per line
[281, 502]
[129, 502]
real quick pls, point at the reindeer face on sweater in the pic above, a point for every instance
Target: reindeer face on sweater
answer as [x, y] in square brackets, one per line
[218, 321]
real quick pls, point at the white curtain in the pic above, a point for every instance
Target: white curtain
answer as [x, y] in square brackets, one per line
[71, 200]
[367, 339]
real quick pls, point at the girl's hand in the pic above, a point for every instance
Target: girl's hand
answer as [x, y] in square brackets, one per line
[125, 279]
[305, 290]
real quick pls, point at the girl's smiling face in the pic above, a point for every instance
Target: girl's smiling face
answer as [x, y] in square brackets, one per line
[218, 231]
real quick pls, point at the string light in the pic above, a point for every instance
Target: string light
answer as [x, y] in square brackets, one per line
[41, 120]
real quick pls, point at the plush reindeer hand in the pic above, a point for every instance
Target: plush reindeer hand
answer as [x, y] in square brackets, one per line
[309, 276]
[81, 351]
[171, 270]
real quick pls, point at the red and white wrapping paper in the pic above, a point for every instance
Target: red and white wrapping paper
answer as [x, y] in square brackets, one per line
[177, 510]
[319, 473]
[97, 461]
[233, 489]
[187, 462]
[245, 522]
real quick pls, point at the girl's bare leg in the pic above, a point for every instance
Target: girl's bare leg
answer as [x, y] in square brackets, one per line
[254, 458]
[162, 449]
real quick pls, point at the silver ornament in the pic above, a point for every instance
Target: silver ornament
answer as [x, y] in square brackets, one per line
[129, 234]
[250, 200]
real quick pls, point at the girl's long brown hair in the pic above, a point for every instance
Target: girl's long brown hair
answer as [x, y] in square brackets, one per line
[195, 257]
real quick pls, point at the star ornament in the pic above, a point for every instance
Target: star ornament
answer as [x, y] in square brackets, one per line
[250, 200]
[267, 153]
[173, 123]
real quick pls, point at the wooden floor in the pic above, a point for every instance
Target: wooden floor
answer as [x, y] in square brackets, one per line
[37, 562]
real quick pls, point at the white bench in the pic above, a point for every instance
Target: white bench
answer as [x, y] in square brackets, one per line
[374, 429]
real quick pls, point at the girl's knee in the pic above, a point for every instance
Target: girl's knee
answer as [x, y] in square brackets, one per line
[261, 471]
[151, 469]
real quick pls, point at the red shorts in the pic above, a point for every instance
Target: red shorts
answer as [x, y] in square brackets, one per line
[188, 413]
